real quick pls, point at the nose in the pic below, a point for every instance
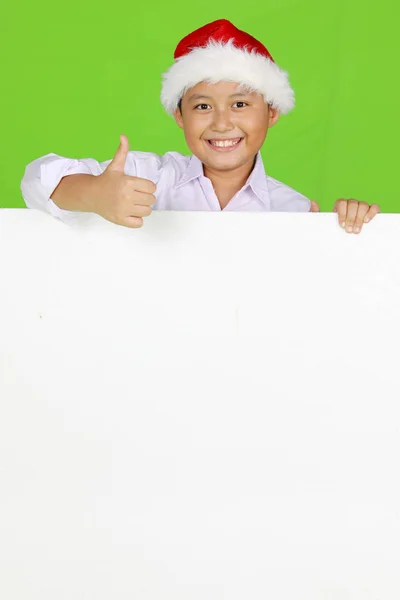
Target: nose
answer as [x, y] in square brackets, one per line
[221, 120]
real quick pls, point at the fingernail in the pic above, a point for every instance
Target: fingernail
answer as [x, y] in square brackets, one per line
[357, 229]
[349, 229]
[343, 224]
[366, 220]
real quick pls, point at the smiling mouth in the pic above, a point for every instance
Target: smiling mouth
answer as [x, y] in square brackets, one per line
[224, 145]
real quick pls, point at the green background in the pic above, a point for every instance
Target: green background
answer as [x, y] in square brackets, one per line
[77, 75]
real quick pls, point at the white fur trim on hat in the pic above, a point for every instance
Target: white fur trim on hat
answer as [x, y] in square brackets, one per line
[224, 62]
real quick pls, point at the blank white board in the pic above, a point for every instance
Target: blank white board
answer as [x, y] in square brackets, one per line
[207, 408]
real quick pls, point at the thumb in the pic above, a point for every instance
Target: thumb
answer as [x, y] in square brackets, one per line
[118, 162]
[314, 206]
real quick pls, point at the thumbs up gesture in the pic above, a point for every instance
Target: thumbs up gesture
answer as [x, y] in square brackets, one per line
[120, 198]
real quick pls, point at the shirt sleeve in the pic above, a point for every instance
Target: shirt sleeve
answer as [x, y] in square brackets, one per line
[286, 199]
[42, 176]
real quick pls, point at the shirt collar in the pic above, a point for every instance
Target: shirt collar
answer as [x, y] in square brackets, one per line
[257, 180]
[193, 170]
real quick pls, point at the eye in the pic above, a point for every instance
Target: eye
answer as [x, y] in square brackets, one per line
[205, 106]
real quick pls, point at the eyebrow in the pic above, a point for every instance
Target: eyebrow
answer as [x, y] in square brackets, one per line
[198, 96]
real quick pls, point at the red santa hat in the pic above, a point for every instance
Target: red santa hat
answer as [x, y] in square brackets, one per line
[219, 51]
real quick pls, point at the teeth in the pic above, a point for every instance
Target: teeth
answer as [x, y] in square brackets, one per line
[224, 143]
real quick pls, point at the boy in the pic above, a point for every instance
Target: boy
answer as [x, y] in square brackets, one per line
[225, 91]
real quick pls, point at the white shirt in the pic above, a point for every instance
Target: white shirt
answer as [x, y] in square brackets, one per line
[181, 184]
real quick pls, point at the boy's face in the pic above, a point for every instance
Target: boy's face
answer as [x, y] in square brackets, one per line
[219, 111]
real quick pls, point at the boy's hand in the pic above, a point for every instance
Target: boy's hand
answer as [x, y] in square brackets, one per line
[120, 198]
[352, 213]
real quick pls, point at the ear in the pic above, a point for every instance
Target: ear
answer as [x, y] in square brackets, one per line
[178, 117]
[274, 115]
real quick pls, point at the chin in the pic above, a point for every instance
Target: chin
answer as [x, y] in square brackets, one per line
[230, 158]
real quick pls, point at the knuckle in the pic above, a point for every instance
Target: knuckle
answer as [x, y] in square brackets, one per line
[124, 194]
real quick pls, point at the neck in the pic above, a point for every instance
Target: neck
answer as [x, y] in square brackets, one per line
[227, 183]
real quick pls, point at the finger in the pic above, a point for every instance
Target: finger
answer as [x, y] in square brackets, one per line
[119, 160]
[372, 212]
[141, 185]
[141, 198]
[363, 208]
[140, 211]
[314, 206]
[341, 209]
[352, 209]
[132, 222]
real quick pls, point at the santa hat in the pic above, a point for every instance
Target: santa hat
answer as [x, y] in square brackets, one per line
[217, 52]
